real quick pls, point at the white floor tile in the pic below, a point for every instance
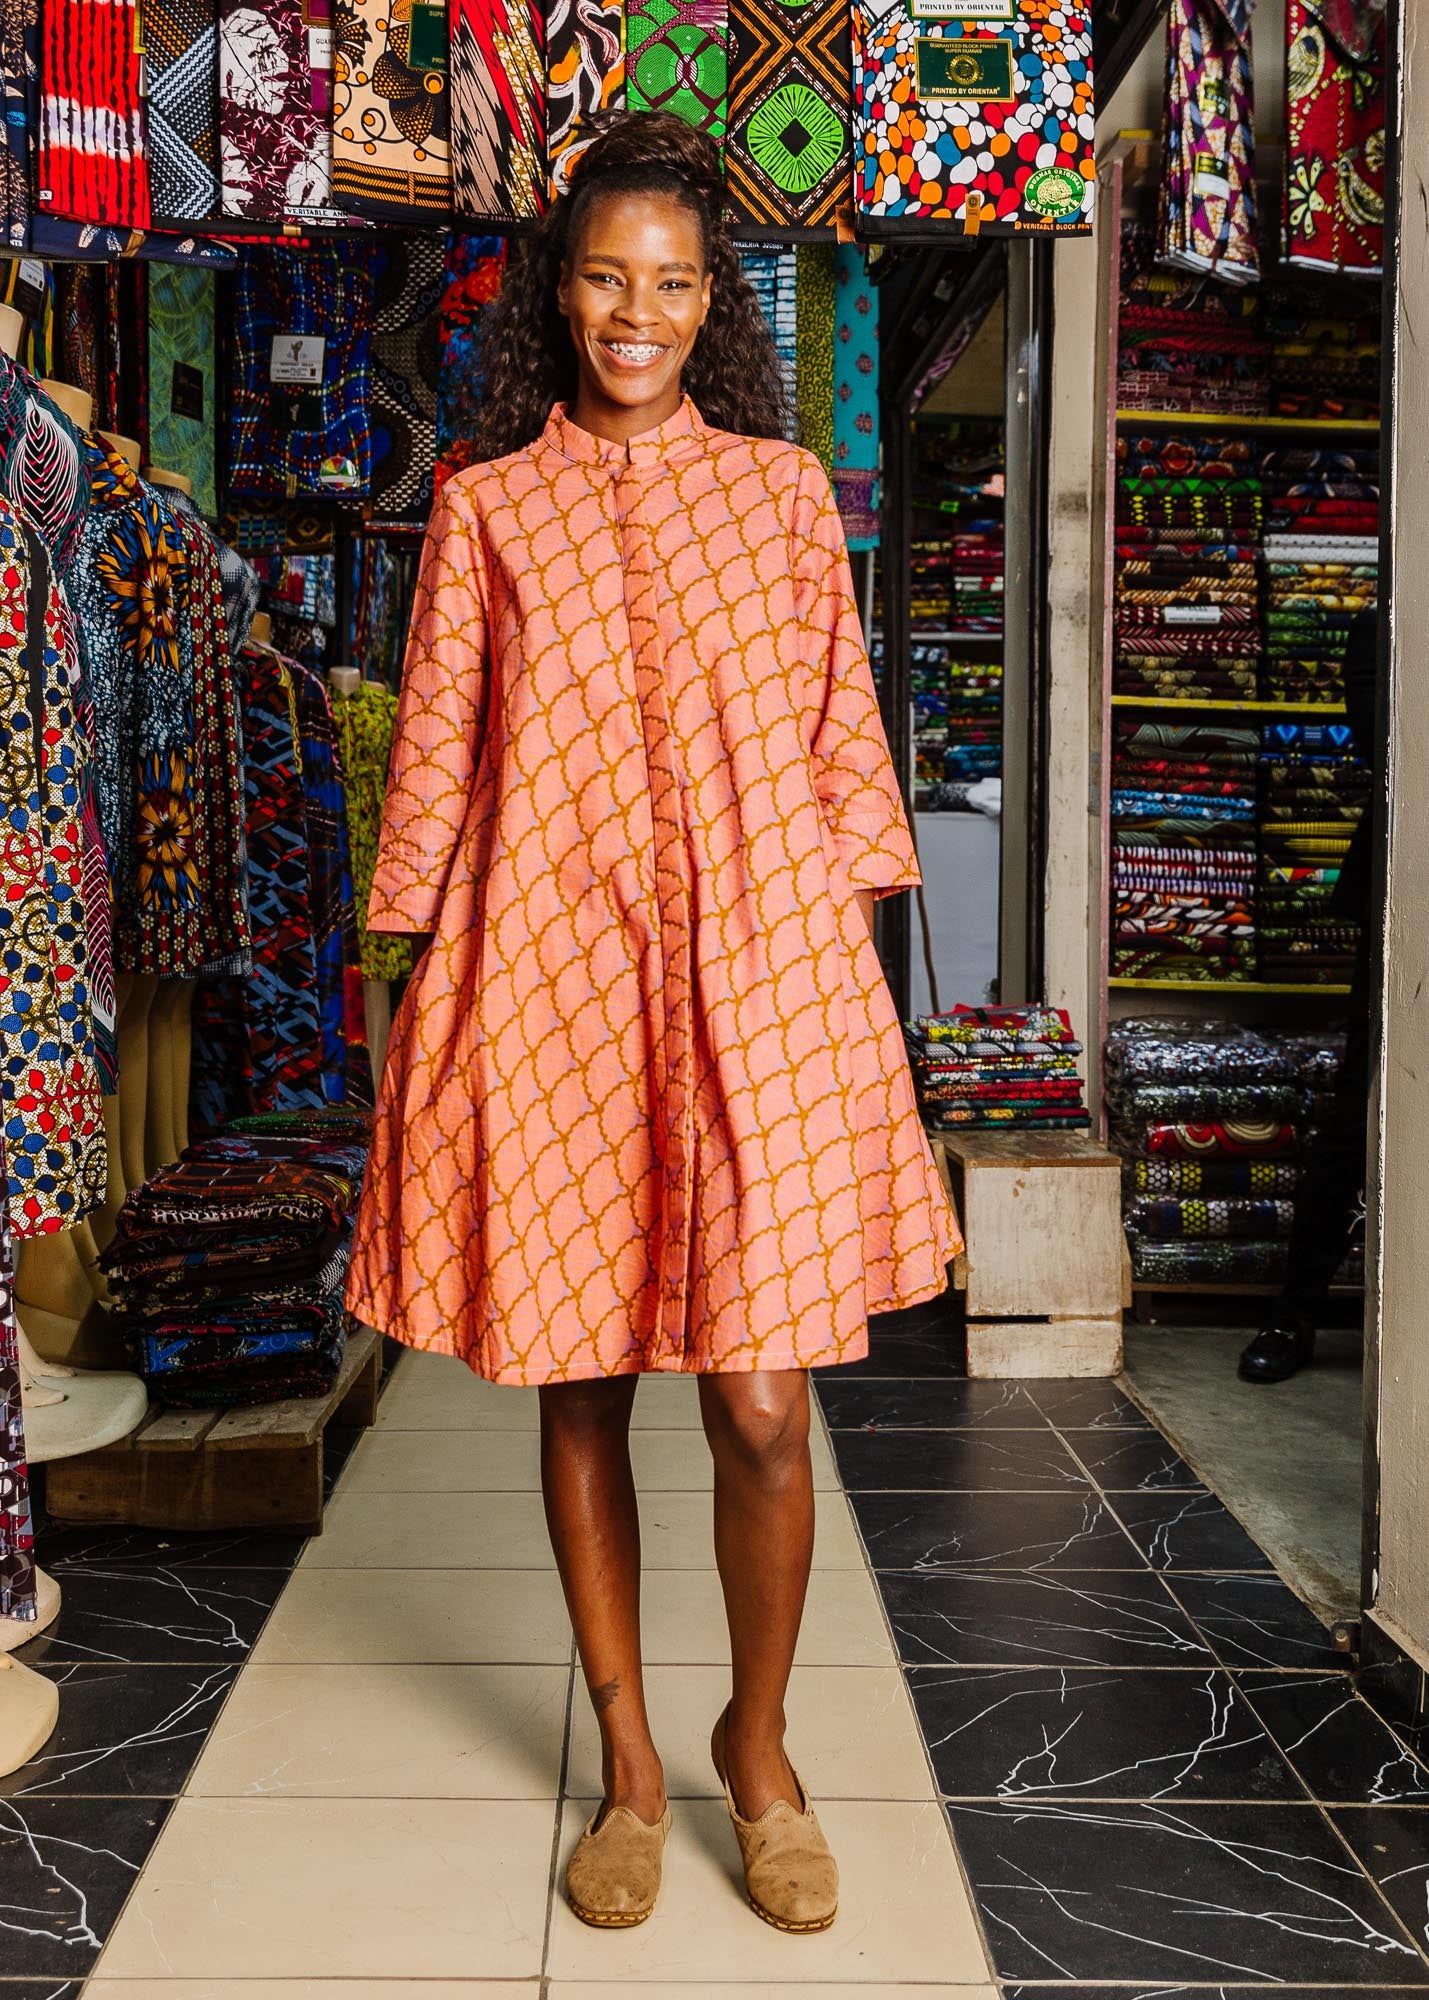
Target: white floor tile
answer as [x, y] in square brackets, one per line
[903, 1915]
[682, 1620]
[408, 1732]
[334, 1888]
[435, 1392]
[499, 1461]
[364, 1616]
[317, 1989]
[852, 1733]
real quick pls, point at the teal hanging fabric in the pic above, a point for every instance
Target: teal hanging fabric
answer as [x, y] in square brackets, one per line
[182, 340]
[855, 397]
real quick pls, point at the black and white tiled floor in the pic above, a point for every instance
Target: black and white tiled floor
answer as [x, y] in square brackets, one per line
[1158, 1773]
[1155, 1768]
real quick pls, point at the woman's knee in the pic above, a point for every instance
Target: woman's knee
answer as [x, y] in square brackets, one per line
[760, 1420]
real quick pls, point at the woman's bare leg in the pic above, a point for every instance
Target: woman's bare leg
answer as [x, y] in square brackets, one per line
[595, 1531]
[758, 1429]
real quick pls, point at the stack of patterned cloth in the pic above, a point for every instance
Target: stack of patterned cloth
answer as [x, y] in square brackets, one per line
[1321, 564]
[1183, 852]
[1187, 619]
[229, 1266]
[974, 737]
[1325, 352]
[1314, 792]
[1183, 343]
[1210, 1120]
[997, 1067]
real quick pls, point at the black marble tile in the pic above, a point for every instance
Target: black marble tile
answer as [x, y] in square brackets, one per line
[1392, 1842]
[1125, 1460]
[134, 1731]
[117, 1613]
[163, 1549]
[943, 1313]
[1209, 1893]
[1188, 1531]
[1255, 1621]
[1159, 1990]
[939, 1350]
[1134, 1733]
[927, 1405]
[1340, 1747]
[989, 1618]
[1005, 1531]
[38, 1989]
[1085, 1405]
[66, 1867]
[957, 1461]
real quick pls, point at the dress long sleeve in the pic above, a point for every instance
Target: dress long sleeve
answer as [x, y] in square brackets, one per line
[854, 779]
[439, 724]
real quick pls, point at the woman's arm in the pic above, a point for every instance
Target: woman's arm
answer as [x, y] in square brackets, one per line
[865, 903]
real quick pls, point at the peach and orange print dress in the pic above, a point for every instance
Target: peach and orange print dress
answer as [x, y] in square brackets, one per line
[646, 1105]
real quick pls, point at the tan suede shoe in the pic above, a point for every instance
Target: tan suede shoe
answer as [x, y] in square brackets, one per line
[613, 1877]
[790, 1875]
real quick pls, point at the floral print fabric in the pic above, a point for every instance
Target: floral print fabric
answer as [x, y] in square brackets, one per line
[391, 134]
[572, 1172]
[1335, 150]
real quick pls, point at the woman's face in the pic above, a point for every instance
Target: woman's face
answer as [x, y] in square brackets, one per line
[636, 294]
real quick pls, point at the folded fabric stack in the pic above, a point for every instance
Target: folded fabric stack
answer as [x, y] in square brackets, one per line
[1211, 1120]
[1183, 852]
[974, 709]
[997, 1068]
[1321, 556]
[1325, 351]
[1187, 620]
[1184, 343]
[229, 1266]
[1313, 793]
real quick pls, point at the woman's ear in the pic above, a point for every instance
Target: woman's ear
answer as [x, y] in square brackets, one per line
[705, 297]
[563, 287]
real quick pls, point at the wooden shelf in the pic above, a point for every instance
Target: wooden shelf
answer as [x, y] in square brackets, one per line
[1221, 986]
[1325, 708]
[1209, 420]
[1248, 1288]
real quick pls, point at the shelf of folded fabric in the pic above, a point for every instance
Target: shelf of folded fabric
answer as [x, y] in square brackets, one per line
[1312, 709]
[1217, 420]
[1223, 986]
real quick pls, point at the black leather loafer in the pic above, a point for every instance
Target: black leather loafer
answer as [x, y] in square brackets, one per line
[1280, 1350]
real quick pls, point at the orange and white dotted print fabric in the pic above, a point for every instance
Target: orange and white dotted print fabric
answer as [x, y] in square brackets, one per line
[647, 1104]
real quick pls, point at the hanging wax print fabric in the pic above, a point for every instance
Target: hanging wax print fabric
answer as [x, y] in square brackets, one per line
[855, 397]
[1334, 132]
[773, 277]
[391, 116]
[787, 160]
[18, 25]
[498, 109]
[472, 269]
[1206, 217]
[677, 59]
[585, 71]
[814, 350]
[181, 45]
[93, 165]
[182, 340]
[988, 121]
[275, 104]
[406, 333]
[302, 337]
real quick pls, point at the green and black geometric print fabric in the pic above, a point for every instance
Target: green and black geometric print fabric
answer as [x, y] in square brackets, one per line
[787, 159]
[677, 59]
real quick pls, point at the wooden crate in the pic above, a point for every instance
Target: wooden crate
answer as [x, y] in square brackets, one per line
[260, 1467]
[1044, 1271]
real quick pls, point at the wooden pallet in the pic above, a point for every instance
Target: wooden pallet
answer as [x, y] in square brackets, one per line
[259, 1467]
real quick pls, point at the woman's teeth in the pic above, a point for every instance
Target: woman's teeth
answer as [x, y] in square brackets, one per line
[636, 352]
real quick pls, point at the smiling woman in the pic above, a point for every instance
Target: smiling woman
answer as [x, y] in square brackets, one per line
[647, 1107]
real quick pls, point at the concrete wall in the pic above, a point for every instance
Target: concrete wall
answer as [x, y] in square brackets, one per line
[1399, 1210]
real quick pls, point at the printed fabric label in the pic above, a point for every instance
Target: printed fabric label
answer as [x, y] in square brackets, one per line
[1054, 192]
[966, 69]
[297, 357]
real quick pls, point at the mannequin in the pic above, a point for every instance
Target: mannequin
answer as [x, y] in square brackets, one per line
[12, 331]
[29, 1710]
[260, 632]
[77, 404]
[127, 447]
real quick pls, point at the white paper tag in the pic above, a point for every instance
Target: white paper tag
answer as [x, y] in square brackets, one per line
[32, 272]
[297, 357]
[320, 47]
[1190, 614]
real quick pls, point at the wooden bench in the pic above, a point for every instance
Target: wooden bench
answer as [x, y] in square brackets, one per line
[1044, 1273]
[255, 1467]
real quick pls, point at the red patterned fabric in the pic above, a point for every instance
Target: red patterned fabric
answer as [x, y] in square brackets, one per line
[92, 159]
[1334, 156]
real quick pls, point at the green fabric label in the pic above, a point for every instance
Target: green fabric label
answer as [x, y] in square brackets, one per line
[965, 70]
[430, 41]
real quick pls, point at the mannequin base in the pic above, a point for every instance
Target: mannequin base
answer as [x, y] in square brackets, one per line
[16, 1632]
[97, 1411]
[29, 1710]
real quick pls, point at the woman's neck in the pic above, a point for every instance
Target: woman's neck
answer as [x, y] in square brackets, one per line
[617, 423]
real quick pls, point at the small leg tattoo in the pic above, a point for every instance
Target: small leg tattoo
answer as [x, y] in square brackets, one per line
[605, 1694]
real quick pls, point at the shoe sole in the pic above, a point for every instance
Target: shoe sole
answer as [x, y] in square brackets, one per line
[783, 1924]
[606, 1922]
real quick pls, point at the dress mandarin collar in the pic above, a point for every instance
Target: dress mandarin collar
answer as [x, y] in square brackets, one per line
[686, 427]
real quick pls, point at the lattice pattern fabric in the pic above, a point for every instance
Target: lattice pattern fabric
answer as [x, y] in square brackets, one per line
[787, 158]
[943, 108]
[1335, 141]
[677, 59]
[498, 60]
[646, 1108]
[585, 71]
[391, 131]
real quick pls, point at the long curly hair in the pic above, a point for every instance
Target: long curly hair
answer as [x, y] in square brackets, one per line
[529, 359]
